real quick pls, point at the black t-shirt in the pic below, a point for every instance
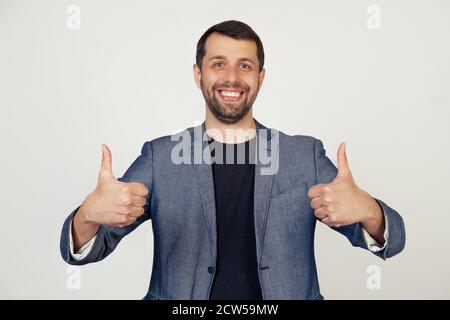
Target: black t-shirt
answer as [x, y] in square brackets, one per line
[236, 274]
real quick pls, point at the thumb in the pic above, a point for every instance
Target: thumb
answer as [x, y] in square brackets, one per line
[343, 167]
[106, 166]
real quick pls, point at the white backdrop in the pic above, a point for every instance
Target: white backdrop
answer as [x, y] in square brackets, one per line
[379, 81]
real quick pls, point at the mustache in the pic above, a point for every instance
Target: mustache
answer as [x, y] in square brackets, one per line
[241, 87]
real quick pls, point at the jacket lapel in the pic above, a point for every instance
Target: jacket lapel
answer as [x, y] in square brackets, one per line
[206, 182]
[263, 185]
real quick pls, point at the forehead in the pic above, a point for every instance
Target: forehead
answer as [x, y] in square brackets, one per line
[217, 44]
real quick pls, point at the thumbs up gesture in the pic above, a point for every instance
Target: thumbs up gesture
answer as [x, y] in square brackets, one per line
[113, 202]
[342, 202]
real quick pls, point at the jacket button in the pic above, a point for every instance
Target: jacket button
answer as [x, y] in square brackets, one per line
[211, 269]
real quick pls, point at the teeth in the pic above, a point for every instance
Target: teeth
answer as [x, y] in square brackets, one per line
[230, 93]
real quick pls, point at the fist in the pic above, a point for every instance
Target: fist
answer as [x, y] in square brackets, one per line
[113, 202]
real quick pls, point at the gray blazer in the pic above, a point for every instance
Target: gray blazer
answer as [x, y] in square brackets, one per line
[181, 207]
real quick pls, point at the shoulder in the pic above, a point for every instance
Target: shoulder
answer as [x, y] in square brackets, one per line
[163, 146]
[170, 140]
[299, 141]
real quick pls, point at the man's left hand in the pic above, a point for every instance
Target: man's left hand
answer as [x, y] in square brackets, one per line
[342, 202]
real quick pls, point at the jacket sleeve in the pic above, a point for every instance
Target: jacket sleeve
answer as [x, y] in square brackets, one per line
[108, 237]
[395, 242]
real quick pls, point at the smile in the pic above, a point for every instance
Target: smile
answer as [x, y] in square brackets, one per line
[230, 95]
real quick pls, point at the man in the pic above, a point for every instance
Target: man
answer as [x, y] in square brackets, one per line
[233, 205]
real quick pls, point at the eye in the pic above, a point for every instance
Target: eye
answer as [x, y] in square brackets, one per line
[245, 66]
[218, 64]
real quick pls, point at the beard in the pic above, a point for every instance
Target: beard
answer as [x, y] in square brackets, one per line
[228, 113]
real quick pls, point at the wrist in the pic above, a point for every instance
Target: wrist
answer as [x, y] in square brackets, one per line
[82, 216]
[81, 226]
[372, 212]
[83, 229]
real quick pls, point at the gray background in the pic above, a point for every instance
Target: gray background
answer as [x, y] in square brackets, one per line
[126, 77]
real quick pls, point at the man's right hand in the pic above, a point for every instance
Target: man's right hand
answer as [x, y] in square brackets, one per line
[112, 203]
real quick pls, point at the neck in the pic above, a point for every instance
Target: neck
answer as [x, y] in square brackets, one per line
[241, 131]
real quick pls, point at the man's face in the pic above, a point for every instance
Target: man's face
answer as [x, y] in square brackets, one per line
[230, 77]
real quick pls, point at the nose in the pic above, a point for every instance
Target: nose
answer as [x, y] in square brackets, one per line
[231, 76]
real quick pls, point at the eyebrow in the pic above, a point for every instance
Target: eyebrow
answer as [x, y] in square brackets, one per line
[224, 58]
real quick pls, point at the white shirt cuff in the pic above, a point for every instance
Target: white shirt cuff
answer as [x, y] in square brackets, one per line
[84, 250]
[371, 243]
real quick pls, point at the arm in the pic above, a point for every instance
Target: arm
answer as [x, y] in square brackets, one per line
[374, 224]
[82, 230]
[82, 252]
[371, 243]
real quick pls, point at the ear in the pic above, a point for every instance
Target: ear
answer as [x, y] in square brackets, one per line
[261, 76]
[197, 75]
